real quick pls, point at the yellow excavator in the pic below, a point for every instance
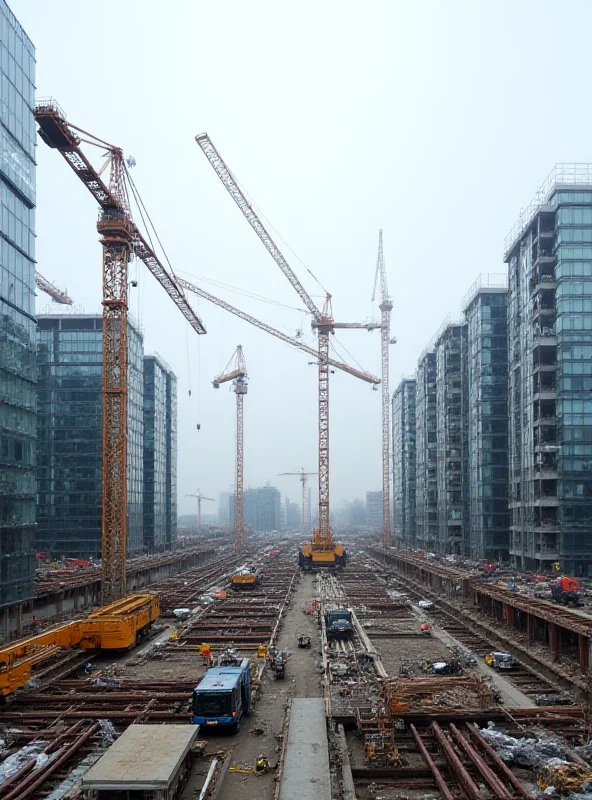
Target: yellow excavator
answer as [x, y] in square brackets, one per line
[321, 553]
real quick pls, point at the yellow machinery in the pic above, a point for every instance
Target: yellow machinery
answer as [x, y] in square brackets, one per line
[321, 553]
[114, 627]
[246, 579]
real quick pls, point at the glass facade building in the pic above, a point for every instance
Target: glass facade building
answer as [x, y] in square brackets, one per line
[262, 509]
[549, 255]
[17, 311]
[374, 510]
[404, 461]
[160, 455]
[426, 480]
[451, 421]
[69, 431]
[486, 312]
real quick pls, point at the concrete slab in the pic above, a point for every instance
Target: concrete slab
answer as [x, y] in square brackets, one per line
[306, 773]
[144, 757]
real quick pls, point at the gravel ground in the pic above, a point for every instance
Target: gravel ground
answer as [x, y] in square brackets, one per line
[261, 733]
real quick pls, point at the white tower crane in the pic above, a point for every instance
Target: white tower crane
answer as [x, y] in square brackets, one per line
[303, 478]
[386, 307]
[57, 295]
[238, 375]
[199, 497]
[322, 322]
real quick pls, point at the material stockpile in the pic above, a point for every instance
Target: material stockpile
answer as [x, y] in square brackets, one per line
[437, 693]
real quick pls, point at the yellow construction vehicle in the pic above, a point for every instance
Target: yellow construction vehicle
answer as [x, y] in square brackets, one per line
[321, 553]
[246, 578]
[114, 627]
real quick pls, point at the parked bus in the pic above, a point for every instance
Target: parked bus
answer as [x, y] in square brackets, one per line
[222, 697]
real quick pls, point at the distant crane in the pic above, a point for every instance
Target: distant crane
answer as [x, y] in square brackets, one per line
[199, 497]
[56, 294]
[386, 306]
[121, 240]
[303, 477]
[323, 322]
[240, 384]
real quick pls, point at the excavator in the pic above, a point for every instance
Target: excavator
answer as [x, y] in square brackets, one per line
[117, 626]
[321, 553]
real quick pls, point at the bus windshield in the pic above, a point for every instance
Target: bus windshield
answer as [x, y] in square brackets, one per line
[212, 704]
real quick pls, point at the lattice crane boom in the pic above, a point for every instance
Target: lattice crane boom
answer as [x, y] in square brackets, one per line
[233, 188]
[303, 478]
[357, 373]
[57, 295]
[120, 240]
[239, 377]
[386, 307]
[199, 497]
[322, 320]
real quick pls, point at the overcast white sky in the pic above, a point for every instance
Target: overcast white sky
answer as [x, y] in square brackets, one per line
[435, 121]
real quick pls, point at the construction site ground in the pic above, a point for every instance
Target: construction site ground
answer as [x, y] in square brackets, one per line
[261, 734]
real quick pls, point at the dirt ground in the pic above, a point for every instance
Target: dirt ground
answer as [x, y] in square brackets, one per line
[261, 733]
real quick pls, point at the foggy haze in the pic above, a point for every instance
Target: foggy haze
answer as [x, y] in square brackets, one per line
[435, 121]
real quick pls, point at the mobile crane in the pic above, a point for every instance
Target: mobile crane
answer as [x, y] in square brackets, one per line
[240, 384]
[322, 322]
[121, 240]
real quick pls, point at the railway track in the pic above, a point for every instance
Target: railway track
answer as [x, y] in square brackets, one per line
[530, 682]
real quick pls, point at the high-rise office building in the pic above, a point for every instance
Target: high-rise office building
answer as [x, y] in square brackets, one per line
[262, 508]
[451, 421]
[69, 430]
[404, 461]
[374, 510]
[549, 254]
[426, 480]
[160, 455]
[17, 311]
[292, 515]
[485, 308]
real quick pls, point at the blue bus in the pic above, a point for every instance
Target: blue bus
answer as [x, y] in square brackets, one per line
[222, 697]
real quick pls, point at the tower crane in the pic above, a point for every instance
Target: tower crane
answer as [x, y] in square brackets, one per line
[322, 322]
[199, 497]
[240, 384]
[303, 478]
[386, 306]
[121, 240]
[56, 294]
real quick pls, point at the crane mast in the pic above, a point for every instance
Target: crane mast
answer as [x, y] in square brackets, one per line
[199, 497]
[322, 321]
[239, 378]
[120, 240]
[386, 307]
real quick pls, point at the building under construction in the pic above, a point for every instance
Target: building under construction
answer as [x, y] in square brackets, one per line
[485, 308]
[404, 461]
[550, 341]
[263, 508]
[451, 420]
[426, 481]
